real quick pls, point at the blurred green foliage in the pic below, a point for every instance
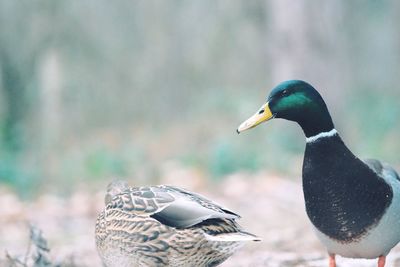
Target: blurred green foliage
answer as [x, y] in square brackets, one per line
[374, 120]
[90, 90]
[105, 163]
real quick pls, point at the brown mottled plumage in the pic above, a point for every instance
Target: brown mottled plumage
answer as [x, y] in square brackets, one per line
[165, 226]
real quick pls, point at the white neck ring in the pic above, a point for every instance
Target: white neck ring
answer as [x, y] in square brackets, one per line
[314, 138]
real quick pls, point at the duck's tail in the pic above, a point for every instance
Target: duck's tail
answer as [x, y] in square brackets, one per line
[233, 237]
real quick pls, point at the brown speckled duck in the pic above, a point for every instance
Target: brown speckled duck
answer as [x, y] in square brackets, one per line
[165, 226]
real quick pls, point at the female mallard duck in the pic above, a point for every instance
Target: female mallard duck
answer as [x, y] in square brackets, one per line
[165, 226]
[354, 205]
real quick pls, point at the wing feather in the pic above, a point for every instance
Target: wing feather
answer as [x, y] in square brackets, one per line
[169, 205]
[379, 168]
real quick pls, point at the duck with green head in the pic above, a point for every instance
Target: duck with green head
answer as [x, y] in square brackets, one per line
[354, 205]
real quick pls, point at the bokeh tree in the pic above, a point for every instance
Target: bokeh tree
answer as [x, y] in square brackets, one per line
[93, 89]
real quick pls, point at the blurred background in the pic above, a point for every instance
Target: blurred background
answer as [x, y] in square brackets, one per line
[153, 91]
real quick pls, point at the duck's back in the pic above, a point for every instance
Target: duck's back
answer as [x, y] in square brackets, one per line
[166, 226]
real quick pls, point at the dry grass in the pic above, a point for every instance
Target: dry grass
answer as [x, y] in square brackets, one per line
[271, 207]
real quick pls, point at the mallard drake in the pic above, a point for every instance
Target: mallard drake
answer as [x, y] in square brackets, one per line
[354, 205]
[165, 226]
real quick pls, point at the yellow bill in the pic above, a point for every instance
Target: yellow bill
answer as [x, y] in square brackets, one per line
[263, 114]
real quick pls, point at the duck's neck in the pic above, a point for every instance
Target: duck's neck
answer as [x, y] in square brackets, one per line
[321, 135]
[316, 123]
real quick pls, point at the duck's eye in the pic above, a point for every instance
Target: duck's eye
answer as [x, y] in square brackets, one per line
[285, 93]
[261, 111]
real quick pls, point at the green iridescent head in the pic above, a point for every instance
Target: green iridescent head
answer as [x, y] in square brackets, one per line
[297, 101]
